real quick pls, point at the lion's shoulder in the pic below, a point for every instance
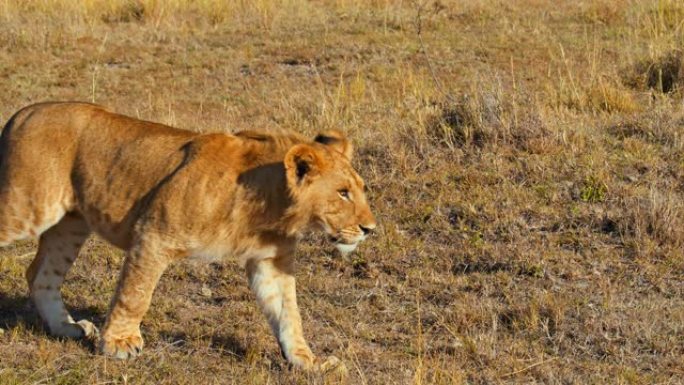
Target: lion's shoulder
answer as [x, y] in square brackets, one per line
[269, 145]
[281, 138]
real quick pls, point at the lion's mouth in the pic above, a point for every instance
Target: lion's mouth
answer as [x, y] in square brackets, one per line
[342, 245]
[345, 248]
[340, 241]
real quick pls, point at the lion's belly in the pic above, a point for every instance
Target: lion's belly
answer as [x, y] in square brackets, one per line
[227, 252]
[112, 228]
[119, 237]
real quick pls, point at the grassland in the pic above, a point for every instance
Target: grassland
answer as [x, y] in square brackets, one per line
[525, 160]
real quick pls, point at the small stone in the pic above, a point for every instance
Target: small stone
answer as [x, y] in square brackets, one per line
[2, 331]
[206, 291]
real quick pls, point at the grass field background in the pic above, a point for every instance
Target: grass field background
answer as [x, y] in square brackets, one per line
[525, 161]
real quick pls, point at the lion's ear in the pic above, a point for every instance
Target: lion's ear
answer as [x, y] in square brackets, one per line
[336, 140]
[302, 162]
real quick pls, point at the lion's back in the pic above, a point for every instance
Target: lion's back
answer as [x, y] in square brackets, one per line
[63, 157]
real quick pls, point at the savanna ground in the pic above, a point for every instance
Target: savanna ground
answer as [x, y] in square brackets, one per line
[525, 161]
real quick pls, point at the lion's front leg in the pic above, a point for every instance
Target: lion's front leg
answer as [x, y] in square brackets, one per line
[121, 336]
[272, 282]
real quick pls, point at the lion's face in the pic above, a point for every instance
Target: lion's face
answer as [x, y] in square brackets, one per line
[321, 178]
[343, 210]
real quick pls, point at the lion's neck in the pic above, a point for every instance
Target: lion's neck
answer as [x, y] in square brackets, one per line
[270, 208]
[264, 183]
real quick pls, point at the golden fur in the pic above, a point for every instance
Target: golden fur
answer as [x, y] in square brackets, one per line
[161, 194]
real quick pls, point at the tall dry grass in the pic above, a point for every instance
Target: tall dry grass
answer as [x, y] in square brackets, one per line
[524, 159]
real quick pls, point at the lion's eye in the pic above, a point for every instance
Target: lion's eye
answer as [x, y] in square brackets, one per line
[344, 193]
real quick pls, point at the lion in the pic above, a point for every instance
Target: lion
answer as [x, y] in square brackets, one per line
[161, 194]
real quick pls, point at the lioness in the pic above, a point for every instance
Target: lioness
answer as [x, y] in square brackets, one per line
[161, 194]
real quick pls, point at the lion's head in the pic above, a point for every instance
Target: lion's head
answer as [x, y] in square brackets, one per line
[328, 191]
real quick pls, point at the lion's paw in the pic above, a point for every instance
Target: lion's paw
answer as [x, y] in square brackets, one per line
[80, 329]
[302, 359]
[123, 347]
[331, 365]
[88, 329]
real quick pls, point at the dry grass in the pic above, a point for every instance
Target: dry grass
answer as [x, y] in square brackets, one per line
[529, 184]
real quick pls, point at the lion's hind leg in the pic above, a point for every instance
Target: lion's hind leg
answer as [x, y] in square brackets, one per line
[57, 250]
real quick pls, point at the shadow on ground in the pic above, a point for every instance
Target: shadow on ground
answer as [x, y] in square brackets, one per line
[226, 344]
[18, 311]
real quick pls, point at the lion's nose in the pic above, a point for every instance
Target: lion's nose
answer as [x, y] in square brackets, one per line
[367, 229]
